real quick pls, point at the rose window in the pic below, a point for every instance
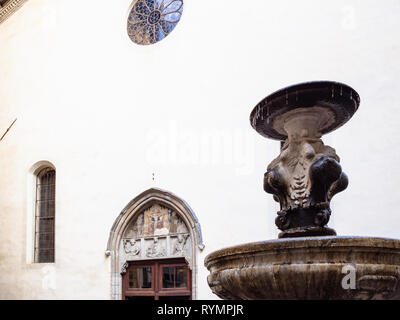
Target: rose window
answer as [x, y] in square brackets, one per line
[152, 20]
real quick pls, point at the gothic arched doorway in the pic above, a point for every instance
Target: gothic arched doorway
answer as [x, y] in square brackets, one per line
[153, 246]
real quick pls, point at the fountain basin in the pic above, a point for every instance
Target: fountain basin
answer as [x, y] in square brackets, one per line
[307, 268]
[333, 102]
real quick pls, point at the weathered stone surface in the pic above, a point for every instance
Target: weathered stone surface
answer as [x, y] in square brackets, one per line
[307, 268]
[304, 178]
[308, 261]
[339, 100]
[306, 174]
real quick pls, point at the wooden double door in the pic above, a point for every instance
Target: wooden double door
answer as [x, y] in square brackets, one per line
[164, 279]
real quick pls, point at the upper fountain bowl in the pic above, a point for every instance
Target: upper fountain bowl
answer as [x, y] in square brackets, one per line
[333, 103]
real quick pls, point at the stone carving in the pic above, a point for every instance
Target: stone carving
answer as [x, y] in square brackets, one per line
[124, 267]
[179, 247]
[155, 250]
[131, 247]
[157, 232]
[9, 8]
[305, 176]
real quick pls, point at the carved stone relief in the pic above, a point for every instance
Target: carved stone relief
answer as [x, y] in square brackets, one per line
[305, 176]
[124, 267]
[156, 249]
[179, 248]
[131, 247]
[157, 232]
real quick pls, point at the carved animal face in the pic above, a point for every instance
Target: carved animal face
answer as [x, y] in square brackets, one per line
[293, 167]
[292, 170]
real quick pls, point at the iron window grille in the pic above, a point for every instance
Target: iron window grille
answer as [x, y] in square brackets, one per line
[45, 216]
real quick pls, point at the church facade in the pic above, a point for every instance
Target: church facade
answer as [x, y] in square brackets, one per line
[126, 152]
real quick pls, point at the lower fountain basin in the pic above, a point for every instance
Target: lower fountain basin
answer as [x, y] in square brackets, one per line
[307, 268]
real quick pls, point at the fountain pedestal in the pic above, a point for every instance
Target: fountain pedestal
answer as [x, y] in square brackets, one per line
[308, 261]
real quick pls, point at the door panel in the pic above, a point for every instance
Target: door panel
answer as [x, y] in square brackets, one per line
[166, 279]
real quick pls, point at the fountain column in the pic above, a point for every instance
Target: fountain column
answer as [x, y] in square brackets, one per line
[308, 260]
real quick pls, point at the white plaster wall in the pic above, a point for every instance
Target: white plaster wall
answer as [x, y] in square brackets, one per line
[108, 113]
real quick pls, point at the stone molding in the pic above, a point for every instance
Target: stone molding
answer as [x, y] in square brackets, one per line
[157, 195]
[9, 8]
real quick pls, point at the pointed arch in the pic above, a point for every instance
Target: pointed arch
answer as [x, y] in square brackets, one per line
[131, 212]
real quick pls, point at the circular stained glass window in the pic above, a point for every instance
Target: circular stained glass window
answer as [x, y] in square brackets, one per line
[152, 20]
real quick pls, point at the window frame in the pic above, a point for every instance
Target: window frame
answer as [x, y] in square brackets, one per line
[175, 289]
[40, 173]
[157, 290]
[141, 291]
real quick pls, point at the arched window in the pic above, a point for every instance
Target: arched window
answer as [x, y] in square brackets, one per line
[45, 215]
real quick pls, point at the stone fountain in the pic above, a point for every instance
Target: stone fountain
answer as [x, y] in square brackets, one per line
[308, 261]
